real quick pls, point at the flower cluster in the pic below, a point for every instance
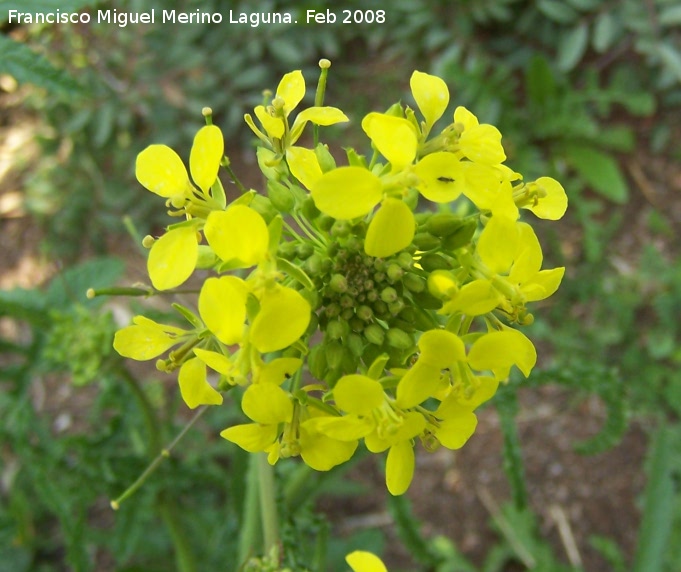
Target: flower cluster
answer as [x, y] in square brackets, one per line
[346, 308]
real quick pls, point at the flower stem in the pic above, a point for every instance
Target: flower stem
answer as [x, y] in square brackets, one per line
[164, 454]
[268, 503]
[249, 534]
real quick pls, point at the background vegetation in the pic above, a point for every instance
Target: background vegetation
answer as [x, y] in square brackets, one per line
[586, 91]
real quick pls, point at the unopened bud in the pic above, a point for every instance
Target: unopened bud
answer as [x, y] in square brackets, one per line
[389, 295]
[443, 224]
[394, 272]
[414, 283]
[399, 339]
[282, 198]
[338, 283]
[337, 328]
[304, 250]
[334, 355]
[430, 262]
[341, 229]
[365, 313]
[375, 334]
[425, 241]
[405, 260]
[148, 241]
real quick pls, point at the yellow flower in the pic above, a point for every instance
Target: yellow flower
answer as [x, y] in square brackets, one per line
[274, 118]
[146, 339]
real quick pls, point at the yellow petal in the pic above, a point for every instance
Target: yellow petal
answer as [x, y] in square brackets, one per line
[292, 90]
[279, 370]
[214, 360]
[146, 340]
[465, 118]
[274, 126]
[499, 351]
[318, 116]
[399, 468]
[347, 192]
[283, 317]
[454, 431]
[173, 257]
[553, 205]
[529, 256]
[431, 95]
[543, 284]
[159, 169]
[250, 436]
[474, 299]
[441, 177]
[361, 561]
[358, 394]
[320, 452]
[417, 385]
[205, 157]
[441, 349]
[394, 137]
[391, 229]
[304, 165]
[267, 404]
[238, 235]
[194, 387]
[345, 428]
[222, 305]
[482, 144]
[498, 243]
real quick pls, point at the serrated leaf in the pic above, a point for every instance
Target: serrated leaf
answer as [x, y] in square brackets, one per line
[600, 171]
[572, 47]
[605, 31]
[558, 11]
[26, 66]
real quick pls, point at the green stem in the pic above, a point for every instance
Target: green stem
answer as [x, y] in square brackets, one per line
[268, 503]
[249, 535]
[164, 454]
[184, 557]
[507, 406]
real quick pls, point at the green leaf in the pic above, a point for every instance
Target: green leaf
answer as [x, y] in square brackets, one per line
[671, 58]
[558, 11]
[605, 31]
[27, 66]
[670, 16]
[658, 512]
[600, 171]
[539, 81]
[572, 46]
[71, 285]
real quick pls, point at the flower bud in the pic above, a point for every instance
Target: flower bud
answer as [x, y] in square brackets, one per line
[443, 224]
[396, 307]
[338, 284]
[325, 222]
[389, 295]
[340, 228]
[462, 236]
[313, 265]
[309, 209]
[334, 355]
[365, 313]
[355, 344]
[316, 361]
[375, 334]
[356, 325]
[282, 198]
[405, 260]
[304, 250]
[337, 328]
[394, 272]
[425, 241]
[430, 262]
[333, 310]
[325, 158]
[399, 339]
[414, 283]
[287, 250]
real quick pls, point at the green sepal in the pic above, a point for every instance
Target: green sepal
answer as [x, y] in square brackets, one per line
[425, 241]
[252, 307]
[377, 367]
[325, 158]
[295, 272]
[274, 229]
[282, 198]
[316, 361]
[443, 224]
[188, 315]
[430, 262]
[244, 199]
[263, 206]
[426, 300]
[207, 257]
[217, 191]
[462, 235]
[395, 110]
[355, 159]
[192, 222]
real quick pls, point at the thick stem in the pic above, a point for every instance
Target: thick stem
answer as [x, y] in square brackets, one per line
[268, 503]
[249, 536]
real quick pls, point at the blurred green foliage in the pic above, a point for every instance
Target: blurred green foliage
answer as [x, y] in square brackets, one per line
[578, 87]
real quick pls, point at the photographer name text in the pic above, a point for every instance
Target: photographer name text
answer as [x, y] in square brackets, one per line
[253, 19]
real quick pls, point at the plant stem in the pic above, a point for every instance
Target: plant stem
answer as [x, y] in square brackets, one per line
[268, 503]
[184, 557]
[249, 536]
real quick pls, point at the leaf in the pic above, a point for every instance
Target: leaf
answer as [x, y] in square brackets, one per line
[605, 31]
[27, 66]
[670, 16]
[557, 11]
[658, 511]
[600, 170]
[671, 58]
[540, 82]
[71, 285]
[572, 46]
